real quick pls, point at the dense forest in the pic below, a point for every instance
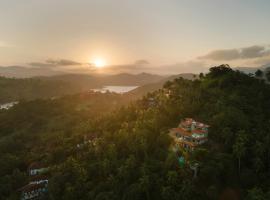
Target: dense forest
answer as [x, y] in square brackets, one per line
[15, 89]
[12, 89]
[131, 157]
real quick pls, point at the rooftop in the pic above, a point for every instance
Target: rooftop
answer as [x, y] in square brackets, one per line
[32, 187]
[38, 178]
[182, 131]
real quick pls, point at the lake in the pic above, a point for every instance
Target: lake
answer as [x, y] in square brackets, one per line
[116, 89]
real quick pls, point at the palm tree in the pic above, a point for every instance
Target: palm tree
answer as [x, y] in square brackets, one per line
[239, 148]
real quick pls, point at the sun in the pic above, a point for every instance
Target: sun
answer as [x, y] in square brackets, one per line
[99, 63]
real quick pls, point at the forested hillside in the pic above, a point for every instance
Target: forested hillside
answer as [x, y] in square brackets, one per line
[150, 87]
[130, 155]
[13, 89]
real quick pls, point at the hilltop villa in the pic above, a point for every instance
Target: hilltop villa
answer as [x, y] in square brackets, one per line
[190, 134]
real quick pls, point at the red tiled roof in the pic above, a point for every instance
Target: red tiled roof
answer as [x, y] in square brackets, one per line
[38, 178]
[32, 187]
[182, 131]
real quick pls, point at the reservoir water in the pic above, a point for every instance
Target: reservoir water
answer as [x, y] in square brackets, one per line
[116, 89]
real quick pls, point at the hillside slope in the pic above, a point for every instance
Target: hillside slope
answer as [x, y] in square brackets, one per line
[95, 80]
[129, 156]
[12, 89]
[144, 89]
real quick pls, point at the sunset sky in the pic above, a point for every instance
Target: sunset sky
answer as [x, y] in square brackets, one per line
[151, 35]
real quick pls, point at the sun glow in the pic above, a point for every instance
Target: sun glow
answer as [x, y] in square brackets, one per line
[99, 63]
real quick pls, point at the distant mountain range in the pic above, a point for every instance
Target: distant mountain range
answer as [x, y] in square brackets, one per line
[95, 80]
[13, 89]
[87, 79]
[27, 72]
[46, 83]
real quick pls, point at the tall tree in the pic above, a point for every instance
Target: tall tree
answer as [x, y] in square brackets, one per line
[201, 75]
[239, 147]
[259, 73]
[268, 75]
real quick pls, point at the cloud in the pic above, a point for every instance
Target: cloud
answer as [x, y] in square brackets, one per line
[254, 52]
[141, 62]
[234, 54]
[40, 64]
[185, 67]
[228, 54]
[54, 63]
[126, 68]
[62, 62]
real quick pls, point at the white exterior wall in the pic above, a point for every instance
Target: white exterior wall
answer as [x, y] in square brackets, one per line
[37, 171]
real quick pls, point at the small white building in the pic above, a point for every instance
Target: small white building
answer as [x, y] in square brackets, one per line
[36, 169]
